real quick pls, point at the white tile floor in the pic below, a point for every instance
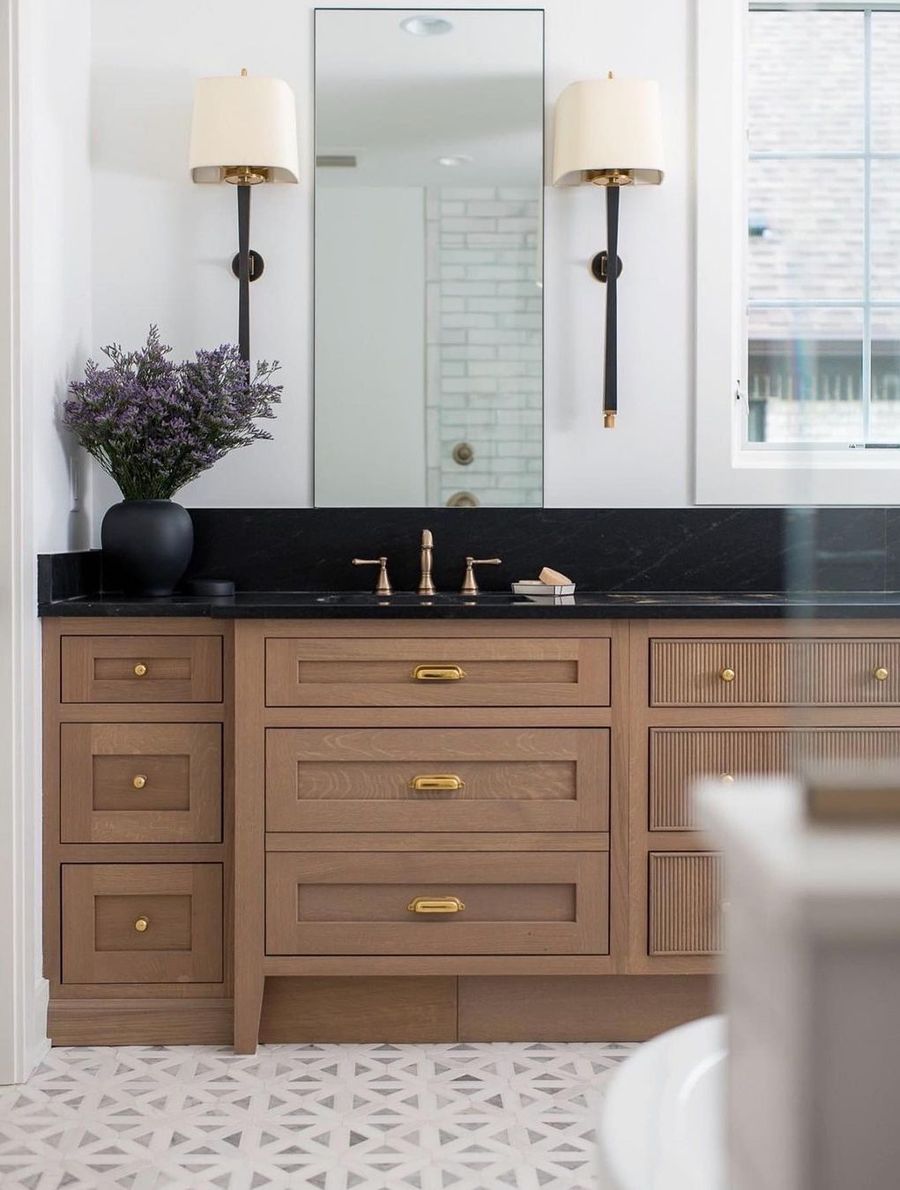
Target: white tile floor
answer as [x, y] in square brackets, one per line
[331, 1117]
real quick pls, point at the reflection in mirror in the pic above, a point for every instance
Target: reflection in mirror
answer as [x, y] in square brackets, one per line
[428, 268]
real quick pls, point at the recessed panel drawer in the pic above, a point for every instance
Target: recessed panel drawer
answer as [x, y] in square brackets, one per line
[141, 783]
[431, 903]
[452, 779]
[141, 923]
[685, 903]
[491, 671]
[679, 756]
[141, 669]
[740, 673]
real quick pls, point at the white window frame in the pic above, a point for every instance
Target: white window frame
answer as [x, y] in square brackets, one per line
[726, 471]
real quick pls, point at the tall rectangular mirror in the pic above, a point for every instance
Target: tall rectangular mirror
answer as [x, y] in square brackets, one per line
[428, 257]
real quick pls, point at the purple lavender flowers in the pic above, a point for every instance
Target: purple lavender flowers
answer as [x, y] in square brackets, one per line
[154, 425]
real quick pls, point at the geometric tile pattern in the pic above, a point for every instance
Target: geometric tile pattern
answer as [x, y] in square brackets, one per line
[328, 1117]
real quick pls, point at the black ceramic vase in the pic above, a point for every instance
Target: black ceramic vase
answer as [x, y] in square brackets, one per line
[147, 545]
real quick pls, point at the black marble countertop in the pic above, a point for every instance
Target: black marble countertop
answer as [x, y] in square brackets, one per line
[316, 605]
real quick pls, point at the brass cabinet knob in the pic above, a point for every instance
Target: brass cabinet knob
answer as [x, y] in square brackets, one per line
[140, 670]
[438, 673]
[437, 782]
[142, 924]
[727, 674]
[435, 905]
[727, 778]
[880, 674]
[139, 781]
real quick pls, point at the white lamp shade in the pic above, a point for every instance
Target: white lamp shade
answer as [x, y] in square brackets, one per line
[244, 121]
[609, 124]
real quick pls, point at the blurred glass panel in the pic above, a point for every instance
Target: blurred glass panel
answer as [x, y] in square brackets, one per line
[807, 223]
[886, 82]
[885, 242]
[884, 418]
[805, 376]
[806, 81]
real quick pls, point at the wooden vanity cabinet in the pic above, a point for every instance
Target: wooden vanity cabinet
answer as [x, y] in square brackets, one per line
[414, 830]
[138, 826]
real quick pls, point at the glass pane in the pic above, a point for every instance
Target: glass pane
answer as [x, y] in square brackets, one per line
[885, 245]
[886, 82]
[806, 81]
[884, 419]
[805, 376]
[806, 222]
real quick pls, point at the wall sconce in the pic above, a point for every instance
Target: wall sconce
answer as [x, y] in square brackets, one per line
[244, 132]
[608, 134]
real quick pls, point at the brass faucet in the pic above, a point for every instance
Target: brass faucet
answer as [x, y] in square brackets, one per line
[426, 586]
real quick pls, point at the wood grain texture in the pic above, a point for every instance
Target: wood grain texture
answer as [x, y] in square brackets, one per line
[824, 672]
[680, 756]
[178, 669]
[512, 779]
[182, 904]
[146, 1021]
[179, 770]
[685, 891]
[359, 1009]
[405, 841]
[527, 903]
[498, 672]
[579, 1007]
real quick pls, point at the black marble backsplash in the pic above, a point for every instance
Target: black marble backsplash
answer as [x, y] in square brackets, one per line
[622, 549]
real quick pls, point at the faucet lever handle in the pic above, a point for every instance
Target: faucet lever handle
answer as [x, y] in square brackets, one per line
[470, 587]
[383, 585]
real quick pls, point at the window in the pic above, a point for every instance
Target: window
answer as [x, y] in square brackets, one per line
[823, 251]
[799, 271]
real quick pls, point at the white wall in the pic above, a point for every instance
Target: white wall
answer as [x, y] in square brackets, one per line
[45, 273]
[370, 346]
[162, 246]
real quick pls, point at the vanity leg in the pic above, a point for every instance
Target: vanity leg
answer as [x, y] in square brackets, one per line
[248, 997]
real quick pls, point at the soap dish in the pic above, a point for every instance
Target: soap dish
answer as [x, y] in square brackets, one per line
[535, 589]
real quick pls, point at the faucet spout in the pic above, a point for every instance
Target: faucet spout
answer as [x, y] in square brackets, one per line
[426, 585]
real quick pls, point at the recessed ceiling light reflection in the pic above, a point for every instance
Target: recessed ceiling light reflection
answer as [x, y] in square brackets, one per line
[426, 26]
[453, 160]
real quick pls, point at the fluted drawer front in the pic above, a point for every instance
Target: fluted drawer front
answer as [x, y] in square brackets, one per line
[433, 779]
[485, 903]
[425, 672]
[679, 756]
[739, 673]
[685, 903]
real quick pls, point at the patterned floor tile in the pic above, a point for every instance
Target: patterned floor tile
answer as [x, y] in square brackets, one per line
[308, 1117]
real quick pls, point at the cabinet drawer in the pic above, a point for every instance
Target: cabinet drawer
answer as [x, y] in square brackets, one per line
[679, 756]
[142, 923]
[360, 903]
[486, 779]
[685, 903]
[141, 669]
[141, 783]
[722, 673]
[447, 673]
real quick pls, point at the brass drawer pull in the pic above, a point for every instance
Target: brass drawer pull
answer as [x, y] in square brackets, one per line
[142, 924]
[139, 781]
[435, 905]
[140, 670]
[727, 674]
[440, 782]
[438, 673]
[880, 674]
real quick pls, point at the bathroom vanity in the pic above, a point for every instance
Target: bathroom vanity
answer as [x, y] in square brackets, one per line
[315, 817]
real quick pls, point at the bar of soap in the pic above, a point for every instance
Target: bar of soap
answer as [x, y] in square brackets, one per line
[553, 578]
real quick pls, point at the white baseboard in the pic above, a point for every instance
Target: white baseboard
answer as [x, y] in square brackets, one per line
[37, 1045]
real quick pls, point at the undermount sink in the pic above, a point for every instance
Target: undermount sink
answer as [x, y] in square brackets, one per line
[410, 597]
